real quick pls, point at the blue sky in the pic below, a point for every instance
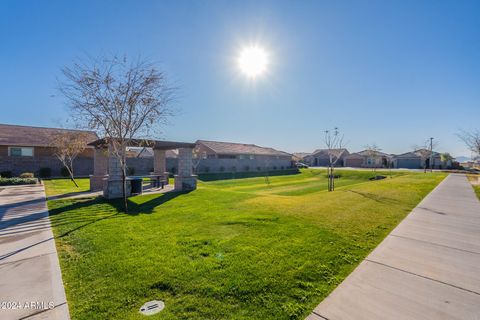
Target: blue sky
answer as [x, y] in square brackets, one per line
[392, 73]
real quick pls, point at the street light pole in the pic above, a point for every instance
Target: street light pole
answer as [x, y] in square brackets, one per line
[431, 154]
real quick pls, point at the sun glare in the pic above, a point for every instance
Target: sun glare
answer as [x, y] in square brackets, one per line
[253, 61]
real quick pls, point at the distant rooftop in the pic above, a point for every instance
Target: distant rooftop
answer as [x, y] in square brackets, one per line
[240, 148]
[16, 135]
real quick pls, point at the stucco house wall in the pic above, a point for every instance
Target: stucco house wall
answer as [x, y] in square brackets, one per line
[244, 164]
[144, 165]
[237, 157]
[43, 157]
[321, 158]
[39, 140]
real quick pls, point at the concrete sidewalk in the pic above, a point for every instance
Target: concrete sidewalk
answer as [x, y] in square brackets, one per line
[428, 267]
[31, 284]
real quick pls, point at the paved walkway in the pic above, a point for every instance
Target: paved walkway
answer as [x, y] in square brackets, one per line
[427, 268]
[30, 277]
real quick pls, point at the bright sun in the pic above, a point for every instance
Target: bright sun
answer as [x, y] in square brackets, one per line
[253, 61]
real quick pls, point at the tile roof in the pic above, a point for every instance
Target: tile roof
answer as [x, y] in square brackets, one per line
[301, 155]
[365, 153]
[319, 152]
[420, 153]
[146, 152]
[240, 148]
[15, 135]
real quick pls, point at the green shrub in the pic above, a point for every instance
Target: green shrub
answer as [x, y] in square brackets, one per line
[26, 175]
[241, 175]
[6, 174]
[17, 181]
[45, 172]
[64, 172]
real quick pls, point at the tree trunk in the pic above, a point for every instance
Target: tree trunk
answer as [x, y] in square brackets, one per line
[70, 171]
[124, 187]
[333, 179]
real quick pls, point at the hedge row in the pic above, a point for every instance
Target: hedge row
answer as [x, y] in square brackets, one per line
[241, 175]
[16, 181]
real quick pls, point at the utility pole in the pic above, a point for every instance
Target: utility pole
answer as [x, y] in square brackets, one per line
[431, 154]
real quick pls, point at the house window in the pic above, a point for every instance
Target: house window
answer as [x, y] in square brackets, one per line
[241, 157]
[20, 151]
[226, 156]
[252, 157]
[204, 155]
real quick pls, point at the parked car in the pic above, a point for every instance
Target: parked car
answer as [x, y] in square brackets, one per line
[301, 165]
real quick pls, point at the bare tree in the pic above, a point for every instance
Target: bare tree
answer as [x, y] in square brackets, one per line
[197, 157]
[471, 140]
[335, 145]
[118, 98]
[68, 145]
[446, 159]
[373, 153]
[426, 151]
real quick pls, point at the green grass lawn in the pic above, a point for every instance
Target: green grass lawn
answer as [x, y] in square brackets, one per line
[55, 187]
[232, 249]
[475, 185]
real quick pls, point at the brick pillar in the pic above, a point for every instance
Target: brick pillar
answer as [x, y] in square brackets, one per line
[113, 184]
[159, 161]
[100, 169]
[160, 164]
[185, 180]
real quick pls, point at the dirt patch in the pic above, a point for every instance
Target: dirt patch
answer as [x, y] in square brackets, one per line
[377, 178]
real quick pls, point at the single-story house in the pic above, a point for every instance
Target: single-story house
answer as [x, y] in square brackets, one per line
[140, 160]
[216, 156]
[28, 149]
[367, 159]
[300, 156]
[321, 157]
[418, 159]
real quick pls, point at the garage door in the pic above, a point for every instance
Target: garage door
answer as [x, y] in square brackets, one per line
[353, 163]
[408, 163]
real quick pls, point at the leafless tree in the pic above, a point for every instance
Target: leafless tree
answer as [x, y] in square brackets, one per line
[471, 140]
[197, 157]
[68, 145]
[335, 145]
[373, 152]
[427, 148]
[119, 99]
[446, 159]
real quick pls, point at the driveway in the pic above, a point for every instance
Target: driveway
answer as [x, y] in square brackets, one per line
[428, 267]
[31, 284]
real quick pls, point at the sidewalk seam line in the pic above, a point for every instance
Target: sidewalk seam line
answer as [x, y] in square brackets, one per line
[425, 277]
[433, 243]
[41, 311]
[21, 260]
[316, 313]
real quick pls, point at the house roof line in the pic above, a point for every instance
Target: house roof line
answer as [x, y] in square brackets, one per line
[221, 147]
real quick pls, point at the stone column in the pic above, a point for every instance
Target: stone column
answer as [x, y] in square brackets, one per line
[160, 164]
[100, 169]
[185, 180]
[113, 184]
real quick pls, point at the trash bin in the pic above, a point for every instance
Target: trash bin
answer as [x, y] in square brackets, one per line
[136, 185]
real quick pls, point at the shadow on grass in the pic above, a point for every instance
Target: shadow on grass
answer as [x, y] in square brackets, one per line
[87, 211]
[145, 207]
[69, 194]
[84, 213]
[375, 197]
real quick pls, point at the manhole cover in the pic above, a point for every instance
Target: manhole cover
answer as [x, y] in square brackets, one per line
[152, 307]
